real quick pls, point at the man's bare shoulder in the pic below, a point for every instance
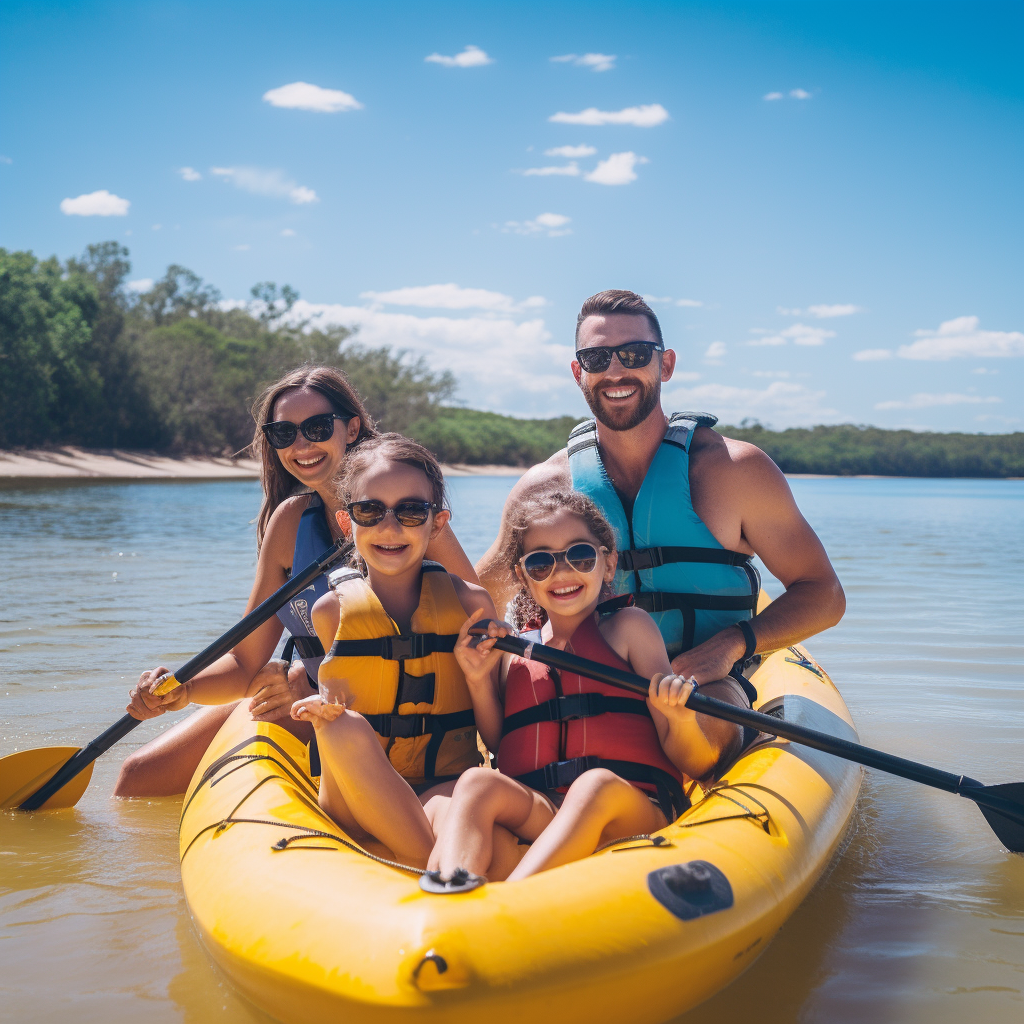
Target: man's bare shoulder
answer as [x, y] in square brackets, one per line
[725, 458]
[554, 472]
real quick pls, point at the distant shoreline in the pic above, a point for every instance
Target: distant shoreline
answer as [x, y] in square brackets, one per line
[68, 463]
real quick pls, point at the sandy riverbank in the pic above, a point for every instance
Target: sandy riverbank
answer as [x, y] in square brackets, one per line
[68, 463]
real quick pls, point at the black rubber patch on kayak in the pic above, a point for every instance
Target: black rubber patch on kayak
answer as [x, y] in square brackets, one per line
[690, 890]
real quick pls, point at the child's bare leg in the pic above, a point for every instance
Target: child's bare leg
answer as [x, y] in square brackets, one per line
[359, 785]
[599, 807]
[482, 799]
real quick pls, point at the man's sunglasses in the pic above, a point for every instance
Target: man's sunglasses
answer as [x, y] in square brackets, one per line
[282, 433]
[539, 565]
[632, 355]
[408, 513]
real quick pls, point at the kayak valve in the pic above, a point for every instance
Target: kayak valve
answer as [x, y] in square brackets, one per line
[434, 973]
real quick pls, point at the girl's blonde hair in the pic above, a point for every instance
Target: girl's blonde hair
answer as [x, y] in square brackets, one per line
[278, 483]
[530, 509]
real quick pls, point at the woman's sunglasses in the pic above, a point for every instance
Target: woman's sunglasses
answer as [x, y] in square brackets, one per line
[632, 355]
[408, 513]
[539, 565]
[282, 433]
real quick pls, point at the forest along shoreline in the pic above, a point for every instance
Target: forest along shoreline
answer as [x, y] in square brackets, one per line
[73, 463]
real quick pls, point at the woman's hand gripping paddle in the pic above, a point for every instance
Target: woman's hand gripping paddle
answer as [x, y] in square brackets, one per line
[55, 777]
[1003, 805]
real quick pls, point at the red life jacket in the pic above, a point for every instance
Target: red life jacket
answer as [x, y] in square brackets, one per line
[558, 726]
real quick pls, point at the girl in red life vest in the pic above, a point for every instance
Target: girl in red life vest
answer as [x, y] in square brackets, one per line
[395, 720]
[580, 763]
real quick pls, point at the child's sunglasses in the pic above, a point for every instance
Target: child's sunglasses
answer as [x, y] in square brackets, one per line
[632, 355]
[282, 433]
[539, 565]
[408, 513]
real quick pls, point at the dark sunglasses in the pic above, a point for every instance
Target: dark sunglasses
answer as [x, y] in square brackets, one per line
[539, 565]
[282, 433]
[408, 513]
[632, 355]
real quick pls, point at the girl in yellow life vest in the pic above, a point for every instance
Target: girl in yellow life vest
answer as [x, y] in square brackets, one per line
[396, 722]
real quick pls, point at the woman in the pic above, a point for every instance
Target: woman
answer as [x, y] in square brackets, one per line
[305, 423]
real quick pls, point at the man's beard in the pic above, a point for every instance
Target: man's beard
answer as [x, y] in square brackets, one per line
[624, 418]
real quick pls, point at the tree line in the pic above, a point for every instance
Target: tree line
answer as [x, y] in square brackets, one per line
[84, 360]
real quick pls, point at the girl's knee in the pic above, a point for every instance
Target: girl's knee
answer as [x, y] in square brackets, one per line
[598, 784]
[477, 784]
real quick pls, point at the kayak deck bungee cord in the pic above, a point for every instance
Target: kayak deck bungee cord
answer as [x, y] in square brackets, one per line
[641, 930]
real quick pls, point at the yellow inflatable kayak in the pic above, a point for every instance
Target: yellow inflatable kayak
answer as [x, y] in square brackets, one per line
[312, 927]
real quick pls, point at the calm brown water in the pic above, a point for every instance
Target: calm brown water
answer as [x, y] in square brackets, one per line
[920, 920]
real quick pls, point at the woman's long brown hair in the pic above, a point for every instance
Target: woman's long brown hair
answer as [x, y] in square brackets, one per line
[278, 483]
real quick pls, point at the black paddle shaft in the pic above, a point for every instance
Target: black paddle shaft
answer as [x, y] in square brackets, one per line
[1006, 801]
[260, 614]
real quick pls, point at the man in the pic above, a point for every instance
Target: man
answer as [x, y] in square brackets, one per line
[689, 508]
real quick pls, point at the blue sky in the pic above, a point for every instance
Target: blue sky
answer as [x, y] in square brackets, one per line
[822, 199]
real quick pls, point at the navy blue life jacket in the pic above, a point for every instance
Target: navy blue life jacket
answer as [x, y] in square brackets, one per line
[312, 539]
[668, 559]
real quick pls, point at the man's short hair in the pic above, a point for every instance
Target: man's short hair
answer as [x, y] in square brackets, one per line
[618, 300]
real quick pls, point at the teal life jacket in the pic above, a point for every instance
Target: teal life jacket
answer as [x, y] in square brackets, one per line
[668, 559]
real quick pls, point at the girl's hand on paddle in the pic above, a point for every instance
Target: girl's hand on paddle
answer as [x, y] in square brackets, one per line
[669, 694]
[277, 686]
[476, 656]
[316, 710]
[144, 704]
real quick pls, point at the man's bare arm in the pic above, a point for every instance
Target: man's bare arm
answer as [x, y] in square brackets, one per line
[494, 576]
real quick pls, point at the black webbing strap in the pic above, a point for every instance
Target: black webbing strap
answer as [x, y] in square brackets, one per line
[419, 725]
[396, 648]
[573, 706]
[561, 774]
[307, 647]
[658, 601]
[638, 559]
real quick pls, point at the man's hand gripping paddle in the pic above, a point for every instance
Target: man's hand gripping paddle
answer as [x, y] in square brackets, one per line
[55, 777]
[1003, 805]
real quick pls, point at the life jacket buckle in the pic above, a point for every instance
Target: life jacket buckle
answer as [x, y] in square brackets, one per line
[561, 774]
[399, 648]
[638, 559]
[576, 705]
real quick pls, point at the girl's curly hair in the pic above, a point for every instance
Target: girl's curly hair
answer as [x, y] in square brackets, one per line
[528, 511]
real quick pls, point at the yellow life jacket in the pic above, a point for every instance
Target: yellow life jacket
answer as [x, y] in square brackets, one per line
[409, 688]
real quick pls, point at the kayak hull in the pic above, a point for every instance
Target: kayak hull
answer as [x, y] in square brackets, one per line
[321, 931]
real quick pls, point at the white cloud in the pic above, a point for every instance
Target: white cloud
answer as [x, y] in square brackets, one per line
[189, 173]
[984, 370]
[771, 96]
[551, 224]
[451, 296]
[571, 152]
[799, 94]
[780, 404]
[262, 182]
[872, 355]
[962, 338]
[534, 376]
[594, 61]
[303, 96]
[6, 160]
[715, 353]
[616, 170]
[646, 116]
[570, 170]
[241, 248]
[772, 374]
[693, 303]
[471, 57]
[826, 312]
[95, 204]
[143, 284]
[926, 401]
[288, 232]
[799, 334]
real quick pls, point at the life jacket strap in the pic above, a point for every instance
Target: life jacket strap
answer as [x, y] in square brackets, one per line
[638, 559]
[561, 774]
[396, 648]
[656, 601]
[405, 726]
[574, 706]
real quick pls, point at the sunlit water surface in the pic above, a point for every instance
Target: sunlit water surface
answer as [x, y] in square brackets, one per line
[920, 920]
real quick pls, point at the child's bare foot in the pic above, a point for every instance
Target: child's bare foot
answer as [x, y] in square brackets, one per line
[316, 710]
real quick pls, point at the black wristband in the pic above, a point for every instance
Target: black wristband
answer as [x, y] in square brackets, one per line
[748, 634]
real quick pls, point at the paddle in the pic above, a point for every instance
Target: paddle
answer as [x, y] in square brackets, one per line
[1003, 805]
[31, 778]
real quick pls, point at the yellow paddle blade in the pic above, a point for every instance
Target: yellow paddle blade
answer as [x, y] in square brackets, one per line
[24, 772]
